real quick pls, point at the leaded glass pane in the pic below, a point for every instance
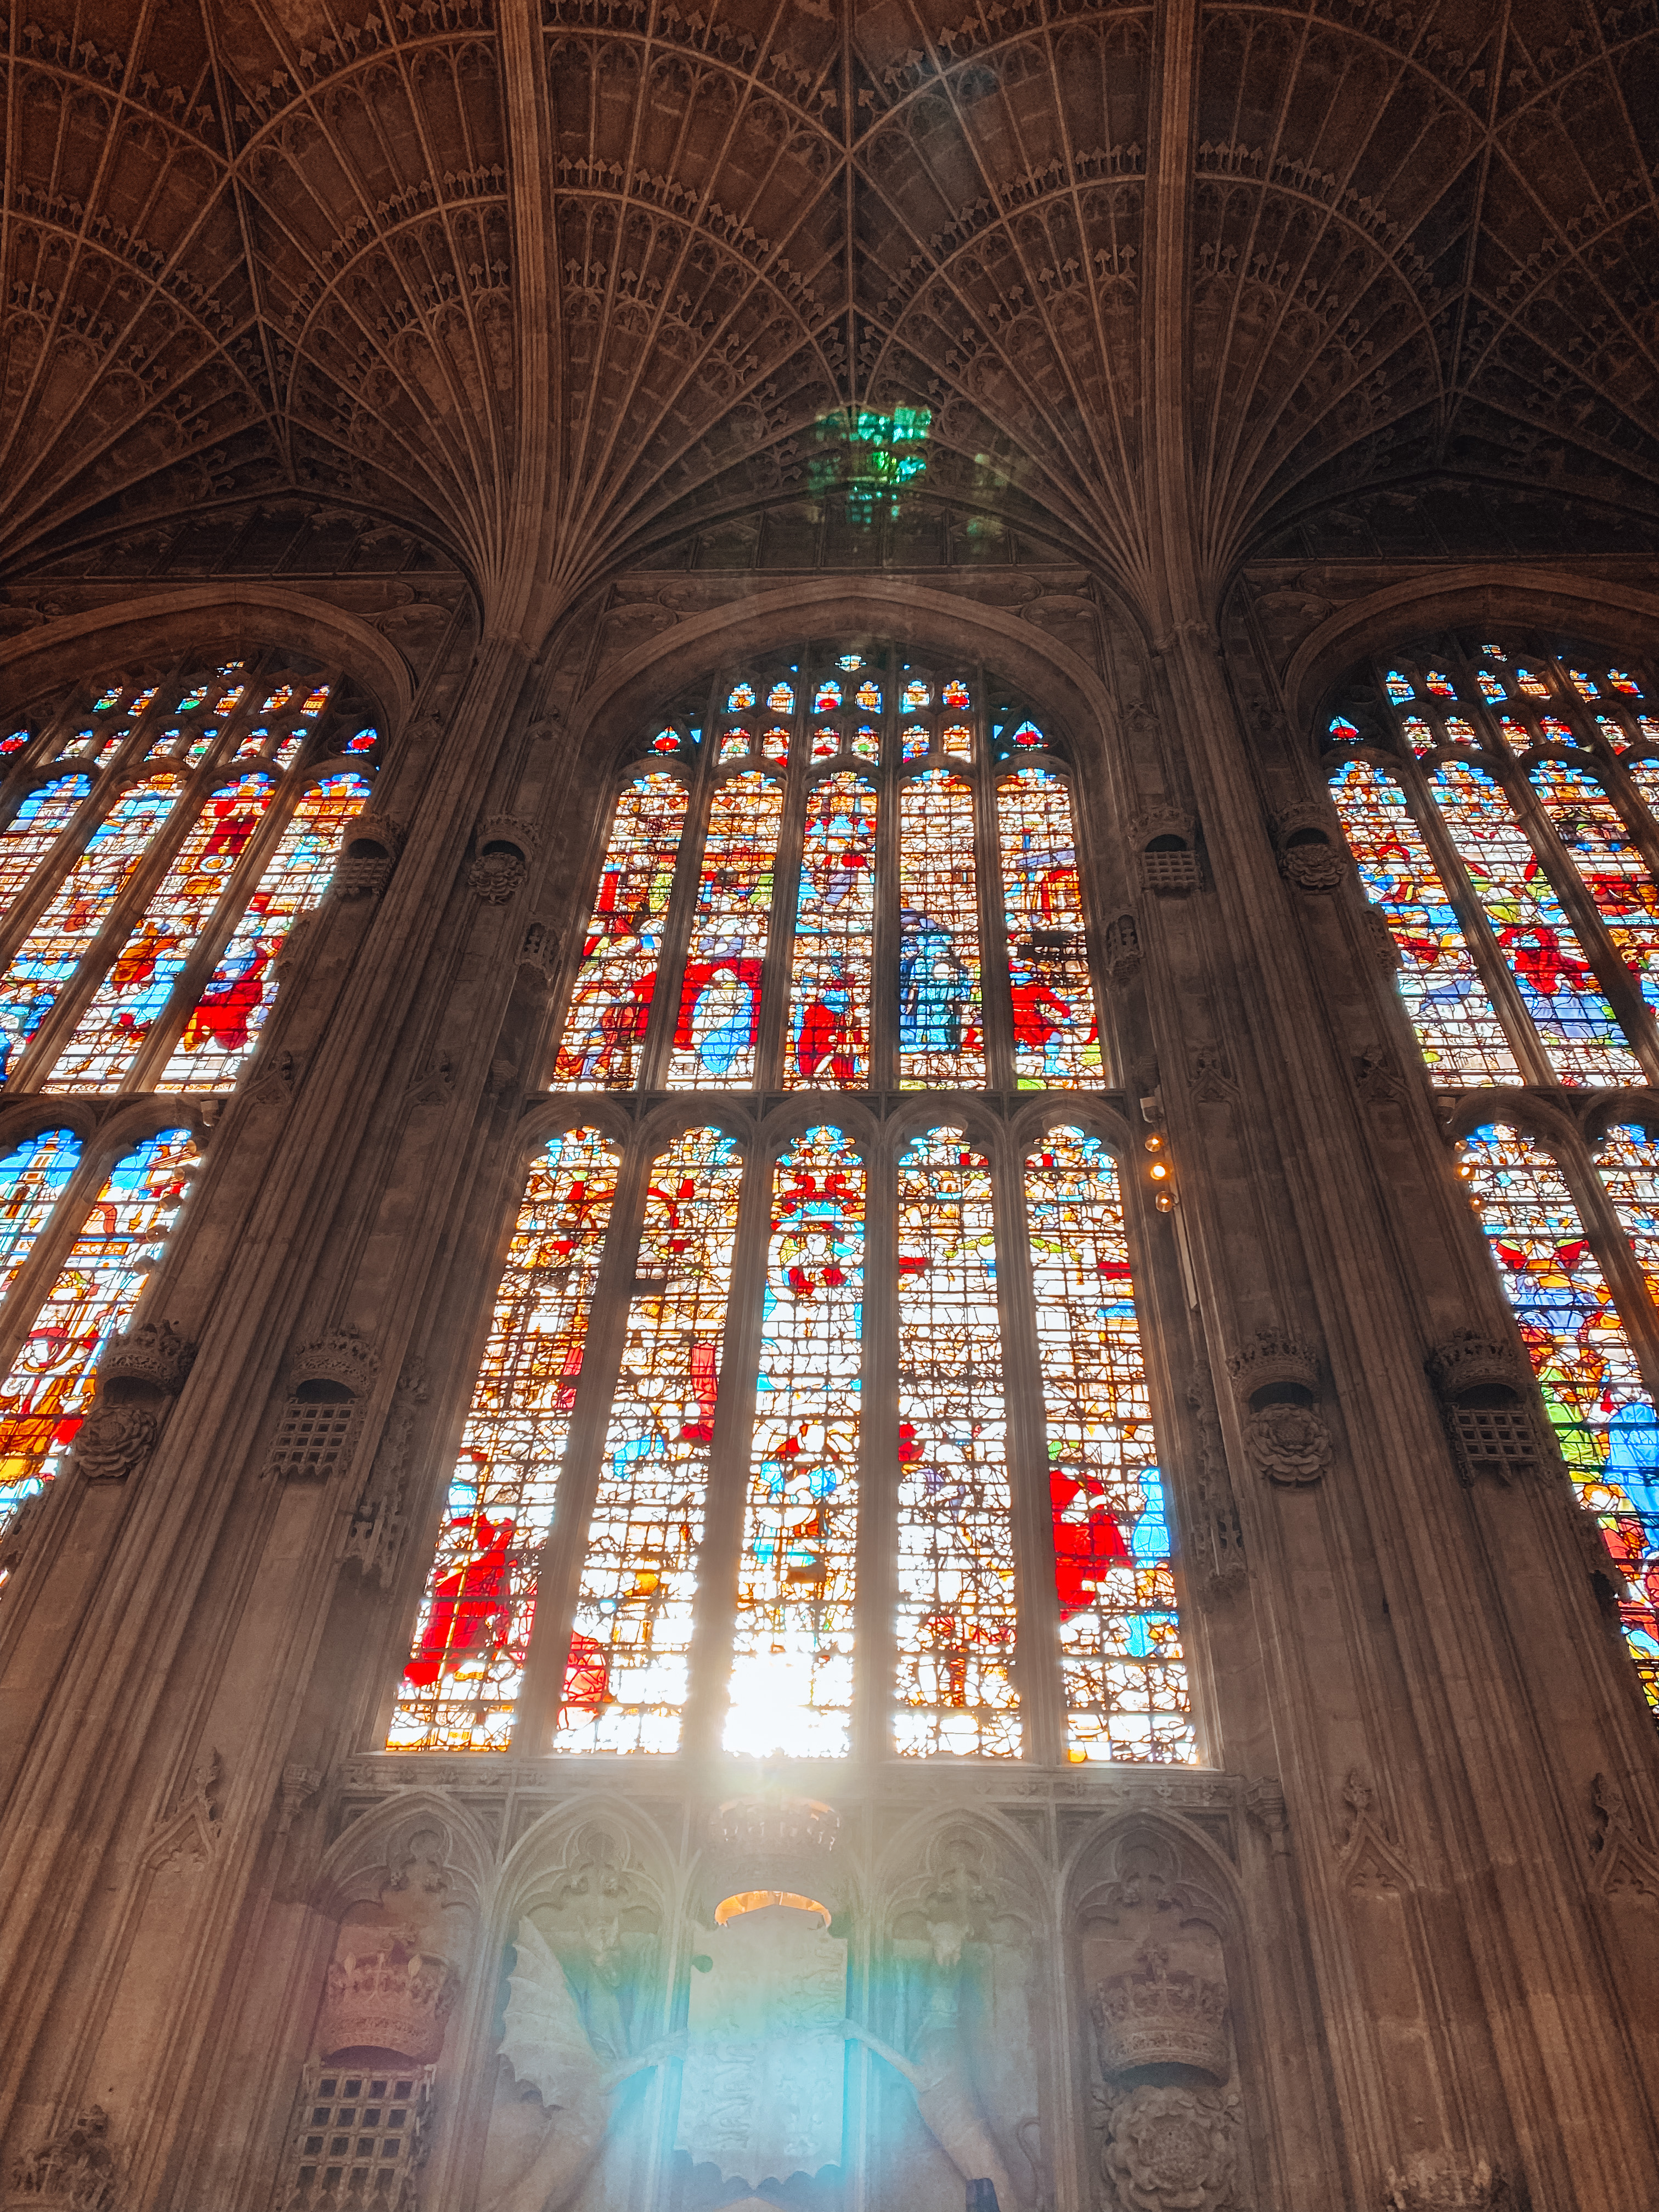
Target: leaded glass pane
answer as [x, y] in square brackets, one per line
[791, 1673]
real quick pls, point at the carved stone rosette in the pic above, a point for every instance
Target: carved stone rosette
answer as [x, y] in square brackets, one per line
[1289, 1444]
[506, 844]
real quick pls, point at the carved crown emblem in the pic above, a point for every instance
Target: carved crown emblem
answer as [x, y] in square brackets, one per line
[1156, 2017]
[1274, 1356]
[394, 2000]
[1468, 1359]
[345, 1355]
[152, 1352]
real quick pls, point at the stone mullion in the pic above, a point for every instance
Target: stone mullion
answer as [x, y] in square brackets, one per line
[1403, 1516]
[46, 1046]
[101, 1713]
[875, 1649]
[772, 1040]
[37, 894]
[1037, 1674]
[996, 989]
[558, 1573]
[1493, 970]
[720, 1564]
[885, 959]
[1623, 991]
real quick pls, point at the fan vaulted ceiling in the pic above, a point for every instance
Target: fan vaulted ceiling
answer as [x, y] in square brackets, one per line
[541, 278]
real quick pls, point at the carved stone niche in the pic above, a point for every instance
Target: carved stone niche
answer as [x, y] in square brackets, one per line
[1486, 1403]
[1165, 2112]
[328, 1379]
[1312, 853]
[373, 844]
[139, 1376]
[399, 1958]
[958, 2025]
[583, 2026]
[506, 846]
[1276, 1377]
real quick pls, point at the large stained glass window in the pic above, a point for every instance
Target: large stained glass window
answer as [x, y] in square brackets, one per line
[1498, 796]
[1126, 1684]
[956, 1565]
[789, 1490]
[44, 1397]
[1581, 1351]
[127, 885]
[462, 1681]
[627, 1682]
[1495, 796]
[792, 1670]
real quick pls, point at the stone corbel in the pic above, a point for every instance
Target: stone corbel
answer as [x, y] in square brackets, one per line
[140, 1375]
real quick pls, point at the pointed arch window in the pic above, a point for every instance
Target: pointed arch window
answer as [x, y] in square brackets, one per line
[1498, 794]
[768, 1491]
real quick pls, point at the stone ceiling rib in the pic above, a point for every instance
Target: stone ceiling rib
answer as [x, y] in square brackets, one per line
[541, 278]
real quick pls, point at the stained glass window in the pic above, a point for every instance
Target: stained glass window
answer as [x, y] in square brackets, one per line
[835, 926]
[956, 1569]
[604, 1031]
[940, 1040]
[461, 1683]
[1580, 1353]
[720, 990]
[745, 1500]
[135, 990]
[792, 1668]
[54, 948]
[34, 830]
[33, 1176]
[1056, 1042]
[1125, 1677]
[1449, 1009]
[45, 1398]
[627, 1680]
